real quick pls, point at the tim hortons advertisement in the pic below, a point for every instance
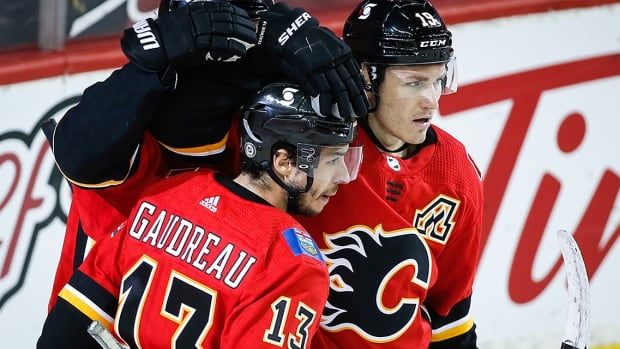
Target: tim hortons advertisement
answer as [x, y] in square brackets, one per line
[537, 107]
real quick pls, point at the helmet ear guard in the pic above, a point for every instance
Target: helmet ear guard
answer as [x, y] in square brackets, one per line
[373, 75]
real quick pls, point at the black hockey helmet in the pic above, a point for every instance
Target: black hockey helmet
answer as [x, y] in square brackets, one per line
[399, 32]
[252, 7]
[282, 113]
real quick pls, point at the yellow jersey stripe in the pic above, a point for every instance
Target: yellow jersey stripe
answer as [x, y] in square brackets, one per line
[105, 184]
[86, 306]
[453, 329]
[203, 150]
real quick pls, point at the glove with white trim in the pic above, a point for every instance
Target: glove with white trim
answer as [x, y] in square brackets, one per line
[189, 36]
[314, 57]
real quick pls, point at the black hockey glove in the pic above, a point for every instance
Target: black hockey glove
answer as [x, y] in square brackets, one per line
[189, 36]
[314, 57]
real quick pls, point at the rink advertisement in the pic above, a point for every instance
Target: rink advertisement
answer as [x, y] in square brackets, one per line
[537, 108]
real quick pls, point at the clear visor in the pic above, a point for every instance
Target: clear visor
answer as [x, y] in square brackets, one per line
[337, 164]
[410, 81]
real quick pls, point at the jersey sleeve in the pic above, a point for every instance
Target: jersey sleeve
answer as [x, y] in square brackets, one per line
[101, 210]
[281, 309]
[194, 119]
[96, 141]
[90, 295]
[95, 213]
[71, 255]
[448, 301]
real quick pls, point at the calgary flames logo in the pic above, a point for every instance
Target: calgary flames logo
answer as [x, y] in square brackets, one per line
[377, 279]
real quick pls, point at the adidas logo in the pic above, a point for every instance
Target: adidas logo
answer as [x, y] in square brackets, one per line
[210, 203]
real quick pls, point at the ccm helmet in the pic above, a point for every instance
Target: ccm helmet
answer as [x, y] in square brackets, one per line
[252, 7]
[399, 32]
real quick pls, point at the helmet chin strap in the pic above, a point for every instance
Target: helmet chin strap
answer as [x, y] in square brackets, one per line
[293, 193]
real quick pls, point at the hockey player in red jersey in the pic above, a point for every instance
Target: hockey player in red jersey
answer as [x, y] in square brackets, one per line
[108, 146]
[394, 286]
[402, 242]
[111, 143]
[209, 262]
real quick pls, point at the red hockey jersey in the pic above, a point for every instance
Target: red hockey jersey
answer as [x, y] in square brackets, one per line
[94, 213]
[203, 262]
[402, 244]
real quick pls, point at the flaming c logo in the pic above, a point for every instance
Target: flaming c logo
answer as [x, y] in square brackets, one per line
[361, 270]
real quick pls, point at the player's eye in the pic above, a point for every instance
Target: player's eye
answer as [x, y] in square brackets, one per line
[334, 160]
[416, 83]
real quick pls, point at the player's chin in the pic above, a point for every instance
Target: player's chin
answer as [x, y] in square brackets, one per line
[313, 207]
[415, 138]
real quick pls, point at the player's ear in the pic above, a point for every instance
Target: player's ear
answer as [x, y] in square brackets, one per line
[283, 164]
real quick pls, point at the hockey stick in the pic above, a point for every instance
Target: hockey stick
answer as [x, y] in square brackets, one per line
[577, 331]
[103, 337]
